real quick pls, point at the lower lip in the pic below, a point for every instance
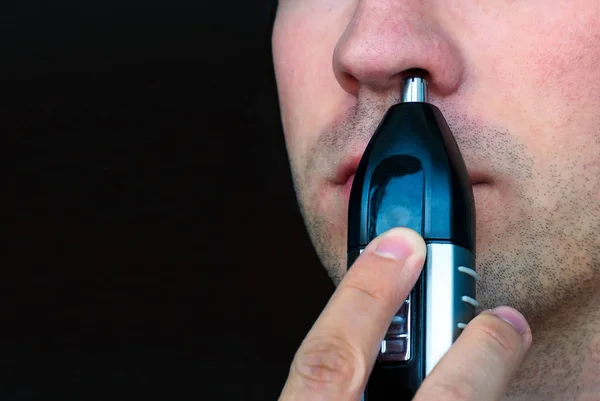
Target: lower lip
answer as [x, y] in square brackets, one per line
[348, 188]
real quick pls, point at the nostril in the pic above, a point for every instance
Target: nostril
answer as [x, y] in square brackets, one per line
[416, 72]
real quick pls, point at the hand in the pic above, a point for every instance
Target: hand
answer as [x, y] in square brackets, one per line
[335, 359]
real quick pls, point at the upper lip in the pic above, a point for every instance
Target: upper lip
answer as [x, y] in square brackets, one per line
[349, 166]
[476, 177]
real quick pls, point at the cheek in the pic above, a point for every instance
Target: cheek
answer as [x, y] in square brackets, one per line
[566, 85]
[541, 79]
[309, 94]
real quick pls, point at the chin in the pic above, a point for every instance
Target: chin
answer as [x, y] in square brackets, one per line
[331, 250]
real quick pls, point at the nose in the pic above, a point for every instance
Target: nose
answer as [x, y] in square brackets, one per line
[386, 39]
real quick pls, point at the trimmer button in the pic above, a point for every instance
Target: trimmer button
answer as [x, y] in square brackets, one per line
[393, 350]
[395, 346]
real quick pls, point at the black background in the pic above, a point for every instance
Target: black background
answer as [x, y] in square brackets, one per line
[153, 248]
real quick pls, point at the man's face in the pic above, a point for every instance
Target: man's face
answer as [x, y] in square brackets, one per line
[519, 84]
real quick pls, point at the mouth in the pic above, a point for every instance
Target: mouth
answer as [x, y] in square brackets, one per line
[345, 175]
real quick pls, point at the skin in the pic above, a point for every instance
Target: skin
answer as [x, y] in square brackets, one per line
[334, 360]
[519, 85]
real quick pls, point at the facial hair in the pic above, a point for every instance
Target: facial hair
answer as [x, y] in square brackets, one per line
[537, 242]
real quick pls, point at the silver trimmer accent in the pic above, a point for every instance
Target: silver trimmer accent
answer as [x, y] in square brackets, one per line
[413, 163]
[414, 90]
[450, 282]
[450, 302]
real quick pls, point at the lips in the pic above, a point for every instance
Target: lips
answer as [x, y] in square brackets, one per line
[476, 177]
[345, 174]
[348, 187]
[347, 169]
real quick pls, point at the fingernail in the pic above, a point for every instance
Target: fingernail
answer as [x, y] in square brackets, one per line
[394, 244]
[513, 317]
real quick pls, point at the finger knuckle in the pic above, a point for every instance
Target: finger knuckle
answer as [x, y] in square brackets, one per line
[376, 284]
[330, 364]
[503, 341]
[376, 293]
[447, 391]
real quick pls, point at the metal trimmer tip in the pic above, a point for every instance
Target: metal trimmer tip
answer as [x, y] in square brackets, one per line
[414, 90]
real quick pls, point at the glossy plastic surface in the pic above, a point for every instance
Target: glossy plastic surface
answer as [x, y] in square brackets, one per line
[412, 175]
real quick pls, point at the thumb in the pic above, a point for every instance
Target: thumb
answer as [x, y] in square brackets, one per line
[337, 356]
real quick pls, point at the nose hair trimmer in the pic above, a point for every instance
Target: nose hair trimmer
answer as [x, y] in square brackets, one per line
[412, 174]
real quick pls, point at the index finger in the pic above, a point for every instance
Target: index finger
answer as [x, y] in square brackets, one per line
[336, 357]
